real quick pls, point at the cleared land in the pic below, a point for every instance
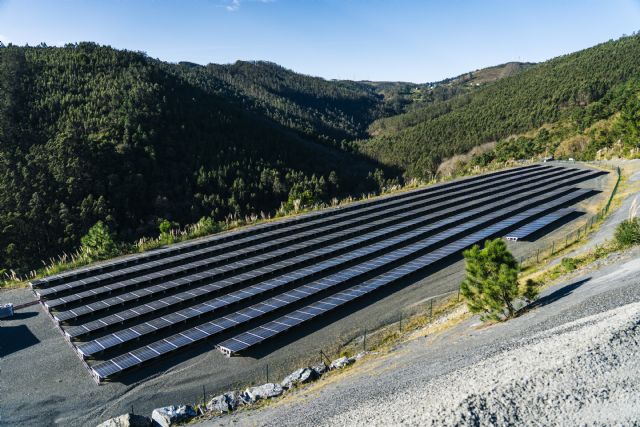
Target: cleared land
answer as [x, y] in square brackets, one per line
[33, 401]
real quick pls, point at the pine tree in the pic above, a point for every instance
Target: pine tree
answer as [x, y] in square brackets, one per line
[491, 284]
[98, 242]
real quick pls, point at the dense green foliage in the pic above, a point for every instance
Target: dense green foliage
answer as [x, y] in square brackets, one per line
[491, 283]
[628, 232]
[329, 111]
[565, 88]
[414, 97]
[98, 243]
[89, 133]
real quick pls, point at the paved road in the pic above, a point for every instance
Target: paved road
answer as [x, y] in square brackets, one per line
[440, 377]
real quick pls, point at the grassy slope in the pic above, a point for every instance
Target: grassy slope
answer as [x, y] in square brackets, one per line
[543, 93]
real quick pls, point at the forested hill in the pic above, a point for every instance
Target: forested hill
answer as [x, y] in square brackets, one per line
[328, 111]
[91, 133]
[580, 88]
[412, 98]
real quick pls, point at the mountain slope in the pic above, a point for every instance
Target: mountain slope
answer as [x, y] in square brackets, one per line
[545, 93]
[90, 133]
[412, 98]
[328, 111]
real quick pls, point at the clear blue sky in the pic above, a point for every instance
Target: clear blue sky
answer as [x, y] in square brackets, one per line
[417, 41]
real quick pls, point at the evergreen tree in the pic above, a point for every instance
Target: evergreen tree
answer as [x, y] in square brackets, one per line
[491, 285]
[98, 242]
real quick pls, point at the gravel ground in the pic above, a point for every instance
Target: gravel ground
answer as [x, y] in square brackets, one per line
[607, 228]
[571, 360]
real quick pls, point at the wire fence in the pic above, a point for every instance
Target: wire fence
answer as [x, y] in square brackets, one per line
[570, 238]
[363, 338]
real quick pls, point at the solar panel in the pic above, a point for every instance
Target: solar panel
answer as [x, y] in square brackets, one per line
[189, 280]
[259, 228]
[271, 239]
[244, 315]
[538, 224]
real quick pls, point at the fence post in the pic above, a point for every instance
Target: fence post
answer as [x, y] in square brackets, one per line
[364, 341]
[538, 256]
[204, 396]
[323, 357]
[400, 321]
[553, 247]
[431, 311]
[267, 372]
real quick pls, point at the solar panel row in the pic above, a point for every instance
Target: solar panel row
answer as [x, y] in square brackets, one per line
[537, 225]
[274, 261]
[256, 229]
[314, 257]
[268, 240]
[205, 330]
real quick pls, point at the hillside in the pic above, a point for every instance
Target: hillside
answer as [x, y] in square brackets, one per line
[579, 89]
[328, 111]
[91, 133]
[410, 97]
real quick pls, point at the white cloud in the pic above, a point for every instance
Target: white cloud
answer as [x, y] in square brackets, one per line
[234, 5]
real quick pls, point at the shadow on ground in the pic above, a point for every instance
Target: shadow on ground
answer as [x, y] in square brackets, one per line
[558, 294]
[15, 338]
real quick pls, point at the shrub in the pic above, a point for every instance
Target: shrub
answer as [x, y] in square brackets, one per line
[628, 232]
[164, 227]
[98, 243]
[491, 284]
[205, 226]
[569, 264]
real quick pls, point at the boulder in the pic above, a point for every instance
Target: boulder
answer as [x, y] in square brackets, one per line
[299, 376]
[170, 415]
[319, 369]
[224, 402]
[341, 363]
[127, 420]
[265, 391]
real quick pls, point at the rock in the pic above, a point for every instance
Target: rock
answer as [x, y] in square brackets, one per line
[265, 391]
[170, 415]
[319, 369]
[299, 376]
[225, 402]
[341, 363]
[360, 355]
[127, 420]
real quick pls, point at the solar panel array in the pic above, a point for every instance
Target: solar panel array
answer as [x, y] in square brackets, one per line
[242, 288]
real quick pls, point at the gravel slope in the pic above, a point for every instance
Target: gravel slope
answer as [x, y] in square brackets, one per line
[582, 371]
[572, 360]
